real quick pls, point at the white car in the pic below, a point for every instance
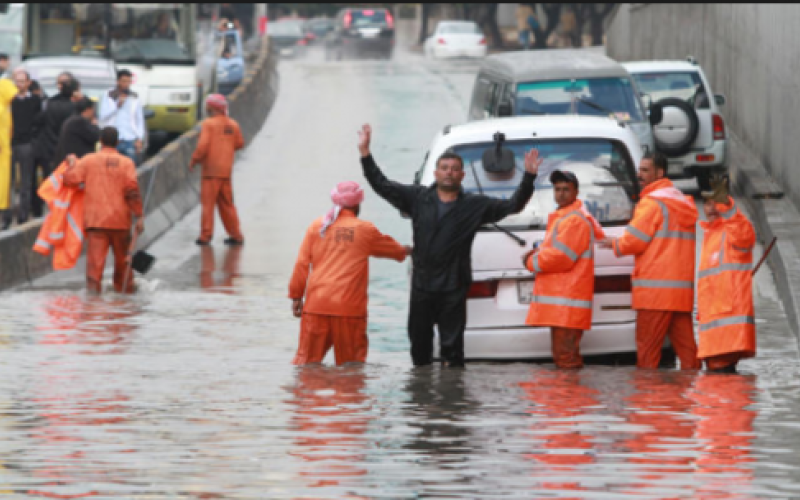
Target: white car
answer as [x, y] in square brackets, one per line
[455, 39]
[604, 156]
[692, 131]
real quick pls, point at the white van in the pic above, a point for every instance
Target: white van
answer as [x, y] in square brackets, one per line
[604, 155]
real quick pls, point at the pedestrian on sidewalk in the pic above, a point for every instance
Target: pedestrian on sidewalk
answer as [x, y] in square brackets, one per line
[724, 286]
[121, 107]
[336, 251]
[524, 15]
[220, 138]
[661, 236]
[445, 220]
[25, 107]
[111, 199]
[80, 133]
[7, 92]
[564, 269]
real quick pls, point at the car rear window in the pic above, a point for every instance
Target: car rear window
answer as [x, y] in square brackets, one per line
[368, 17]
[459, 28]
[685, 85]
[562, 97]
[603, 167]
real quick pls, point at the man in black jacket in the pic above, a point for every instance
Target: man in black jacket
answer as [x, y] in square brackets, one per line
[80, 133]
[445, 221]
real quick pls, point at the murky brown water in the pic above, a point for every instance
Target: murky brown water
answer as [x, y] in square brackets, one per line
[186, 391]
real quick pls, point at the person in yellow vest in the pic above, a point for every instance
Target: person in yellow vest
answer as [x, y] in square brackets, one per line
[724, 286]
[7, 93]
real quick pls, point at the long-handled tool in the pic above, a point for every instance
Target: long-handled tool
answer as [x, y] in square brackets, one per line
[141, 261]
[766, 254]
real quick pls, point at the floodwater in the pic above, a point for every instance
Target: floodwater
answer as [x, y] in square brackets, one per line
[186, 390]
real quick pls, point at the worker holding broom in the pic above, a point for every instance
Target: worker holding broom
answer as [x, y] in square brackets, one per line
[111, 199]
[724, 285]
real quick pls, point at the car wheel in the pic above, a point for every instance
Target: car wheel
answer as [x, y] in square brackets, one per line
[678, 127]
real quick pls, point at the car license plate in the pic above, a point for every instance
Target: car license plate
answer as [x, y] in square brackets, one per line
[370, 32]
[525, 291]
[286, 52]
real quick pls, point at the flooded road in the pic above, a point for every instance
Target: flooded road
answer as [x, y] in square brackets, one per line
[185, 390]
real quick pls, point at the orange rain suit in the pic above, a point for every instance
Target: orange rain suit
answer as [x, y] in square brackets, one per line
[62, 229]
[724, 289]
[662, 237]
[564, 288]
[335, 310]
[111, 196]
[220, 138]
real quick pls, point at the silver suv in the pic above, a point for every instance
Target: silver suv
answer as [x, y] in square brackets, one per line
[691, 132]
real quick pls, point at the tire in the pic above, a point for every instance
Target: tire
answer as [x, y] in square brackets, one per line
[677, 114]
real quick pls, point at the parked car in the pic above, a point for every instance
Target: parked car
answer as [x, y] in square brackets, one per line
[288, 38]
[559, 82]
[604, 156]
[692, 131]
[360, 32]
[95, 74]
[455, 39]
[317, 29]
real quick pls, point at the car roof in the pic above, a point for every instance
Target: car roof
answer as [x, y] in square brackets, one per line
[553, 64]
[69, 61]
[450, 21]
[648, 66]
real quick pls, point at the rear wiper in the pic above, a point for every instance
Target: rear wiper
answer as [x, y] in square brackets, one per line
[511, 235]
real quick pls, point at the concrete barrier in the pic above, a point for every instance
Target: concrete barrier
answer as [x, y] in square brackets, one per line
[175, 189]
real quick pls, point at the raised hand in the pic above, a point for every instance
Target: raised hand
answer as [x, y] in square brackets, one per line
[533, 161]
[364, 138]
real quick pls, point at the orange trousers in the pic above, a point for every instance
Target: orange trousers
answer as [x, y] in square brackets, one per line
[347, 335]
[97, 245]
[653, 326]
[218, 192]
[566, 344]
[723, 360]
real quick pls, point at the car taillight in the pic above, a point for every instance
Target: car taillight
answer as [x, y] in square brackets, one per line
[441, 41]
[302, 41]
[483, 41]
[389, 20]
[369, 12]
[348, 18]
[612, 284]
[483, 290]
[719, 127]
[311, 36]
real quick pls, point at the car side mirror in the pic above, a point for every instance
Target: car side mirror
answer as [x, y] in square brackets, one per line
[655, 114]
[719, 99]
[148, 113]
[504, 109]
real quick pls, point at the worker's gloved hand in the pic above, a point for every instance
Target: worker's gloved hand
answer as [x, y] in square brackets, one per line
[720, 189]
[297, 307]
[140, 226]
[606, 243]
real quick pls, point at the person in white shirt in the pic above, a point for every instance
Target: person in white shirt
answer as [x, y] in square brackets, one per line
[121, 108]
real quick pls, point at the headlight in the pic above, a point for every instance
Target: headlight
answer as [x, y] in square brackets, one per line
[181, 96]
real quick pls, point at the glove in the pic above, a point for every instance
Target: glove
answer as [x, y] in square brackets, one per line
[719, 189]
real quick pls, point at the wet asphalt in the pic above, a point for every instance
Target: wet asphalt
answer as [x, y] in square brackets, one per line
[186, 390]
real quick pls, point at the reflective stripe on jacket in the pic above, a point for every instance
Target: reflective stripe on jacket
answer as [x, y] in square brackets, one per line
[661, 236]
[724, 286]
[564, 267]
[62, 229]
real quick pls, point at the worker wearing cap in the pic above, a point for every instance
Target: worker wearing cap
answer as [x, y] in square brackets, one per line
[564, 268]
[111, 199]
[220, 138]
[661, 236]
[336, 252]
[724, 286]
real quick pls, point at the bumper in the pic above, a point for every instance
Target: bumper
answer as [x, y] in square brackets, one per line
[450, 52]
[534, 342]
[689, 161]
[172, 118]
[368, 45]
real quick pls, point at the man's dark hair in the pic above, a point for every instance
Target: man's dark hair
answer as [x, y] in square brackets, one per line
[658, 159]
[35, 87]
[449, 155]
[109, 137]
[123, 72]
[83, 105]
[3, 56]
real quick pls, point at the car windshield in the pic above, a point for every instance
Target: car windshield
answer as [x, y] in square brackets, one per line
[147, 33]
[461, 28]
[684, 85]
[561, 97]
[368, 17]
[603, 167]
[285, 30]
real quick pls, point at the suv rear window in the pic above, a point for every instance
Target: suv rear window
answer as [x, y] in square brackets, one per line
[562, 97]
[685, 85]
[368, 17]
[603, 167]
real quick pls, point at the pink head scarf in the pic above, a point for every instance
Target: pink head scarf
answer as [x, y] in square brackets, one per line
[346, 194]
[218, 102]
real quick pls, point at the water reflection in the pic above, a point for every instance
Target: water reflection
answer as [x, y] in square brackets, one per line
[222, 280]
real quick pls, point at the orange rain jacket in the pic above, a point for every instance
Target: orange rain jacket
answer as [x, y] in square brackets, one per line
[220, 137]
[111, 189]
[724, 286]
[564, 267]
[340, 261]
[62, 229]
[662, 237]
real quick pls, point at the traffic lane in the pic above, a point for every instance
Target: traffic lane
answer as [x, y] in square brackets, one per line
[188, 387]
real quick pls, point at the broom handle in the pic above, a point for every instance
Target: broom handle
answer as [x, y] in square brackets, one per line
[135, 234]
[766, 254]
